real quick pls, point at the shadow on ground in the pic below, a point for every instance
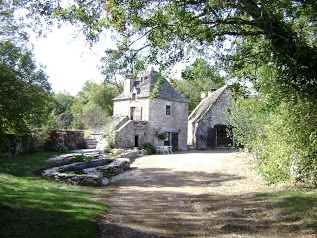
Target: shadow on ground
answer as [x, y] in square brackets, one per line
[167, 203]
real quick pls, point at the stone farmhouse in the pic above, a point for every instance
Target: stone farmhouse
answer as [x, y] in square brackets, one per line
[208, 124]
[161, 120]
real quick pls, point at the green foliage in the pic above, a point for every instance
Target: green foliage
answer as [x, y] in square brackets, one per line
[204, 136]
[299, 203]
[110, 136]
[39, 207]
[149, 148]
[58, 147]
[161, 136]
[282, 138]
[119, 64]
[3, 142]
[80, 158]
[92, 105]
[24, 92]
[197, 78]
[157, 88]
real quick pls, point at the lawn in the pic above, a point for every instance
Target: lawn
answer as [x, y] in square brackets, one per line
[35, 207]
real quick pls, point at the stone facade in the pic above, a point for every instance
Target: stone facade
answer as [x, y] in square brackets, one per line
[148, 117]
[209, 119]
[126, 134]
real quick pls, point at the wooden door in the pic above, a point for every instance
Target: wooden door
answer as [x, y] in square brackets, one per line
[212, 138]
[175, 141]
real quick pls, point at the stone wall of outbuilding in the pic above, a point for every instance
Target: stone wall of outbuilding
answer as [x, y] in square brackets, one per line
[215, 116]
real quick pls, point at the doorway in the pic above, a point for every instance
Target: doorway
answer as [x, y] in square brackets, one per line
[223, 138]
[136, 141]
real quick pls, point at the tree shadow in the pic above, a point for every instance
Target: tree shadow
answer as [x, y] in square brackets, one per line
[165, 203]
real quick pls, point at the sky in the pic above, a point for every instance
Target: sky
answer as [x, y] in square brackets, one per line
[69, 62]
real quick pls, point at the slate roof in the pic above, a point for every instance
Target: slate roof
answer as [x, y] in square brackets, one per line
[204, 106]
[146, 85]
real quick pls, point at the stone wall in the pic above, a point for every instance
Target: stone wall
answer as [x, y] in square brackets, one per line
[125, 135]
[18, 145]
[94, 173]
[215, 116]
[69, 138]
[159, 122]
[122, 108]
[154, 112]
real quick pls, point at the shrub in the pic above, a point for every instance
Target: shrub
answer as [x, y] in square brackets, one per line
[58, 147]
[149, 148]
[282, 139]
[161, 136]
[80, 158]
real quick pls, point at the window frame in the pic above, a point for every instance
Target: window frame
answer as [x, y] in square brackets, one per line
[168, 110]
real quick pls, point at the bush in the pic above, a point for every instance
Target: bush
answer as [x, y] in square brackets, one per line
[58, 147]
[149, 148]
[283, 140]
[80, 158]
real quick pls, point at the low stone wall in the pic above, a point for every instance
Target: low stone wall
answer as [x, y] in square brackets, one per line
[19, 145]
[71, 139]
[94, 173]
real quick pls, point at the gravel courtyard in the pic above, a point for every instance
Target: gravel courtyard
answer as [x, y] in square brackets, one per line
[194, 194]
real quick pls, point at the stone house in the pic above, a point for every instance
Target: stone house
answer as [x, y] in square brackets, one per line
[148, 119]
[208, 124]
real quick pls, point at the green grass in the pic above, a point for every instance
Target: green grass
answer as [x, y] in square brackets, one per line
[37, 207]
[299, 203]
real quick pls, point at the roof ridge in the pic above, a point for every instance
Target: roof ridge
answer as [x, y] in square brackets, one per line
[204, 106]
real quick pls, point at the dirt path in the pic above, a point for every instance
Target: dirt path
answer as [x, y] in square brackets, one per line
[194, 194]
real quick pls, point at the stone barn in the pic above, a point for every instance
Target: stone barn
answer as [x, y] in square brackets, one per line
[159, 120]
[208, 124]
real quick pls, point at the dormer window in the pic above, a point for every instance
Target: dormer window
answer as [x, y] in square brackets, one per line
[133, 96]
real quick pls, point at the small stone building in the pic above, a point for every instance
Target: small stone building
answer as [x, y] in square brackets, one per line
[148, 119]
[208, 124]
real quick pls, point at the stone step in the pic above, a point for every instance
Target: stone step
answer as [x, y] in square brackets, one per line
[91, 143]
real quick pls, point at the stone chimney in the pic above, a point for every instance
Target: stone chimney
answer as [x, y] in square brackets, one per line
[202, 95]
[128, 84]
[211, 91]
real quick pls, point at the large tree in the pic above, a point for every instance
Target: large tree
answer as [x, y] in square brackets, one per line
[24, 91]
[168, 31]
[200, 77]
[284, 32]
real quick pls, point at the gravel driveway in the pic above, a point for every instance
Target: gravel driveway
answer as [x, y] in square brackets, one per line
[194, 194]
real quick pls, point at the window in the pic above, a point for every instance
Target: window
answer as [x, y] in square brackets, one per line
[132, 113]
[167, 139]
[168, 110]
[133, 96]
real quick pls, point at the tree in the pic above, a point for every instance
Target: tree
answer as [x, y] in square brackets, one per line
[169, 30]
[270, 44]
[166, 32]
[197, 78]
[62, 109]
[92, 105]
[119, 64]
[24, 91]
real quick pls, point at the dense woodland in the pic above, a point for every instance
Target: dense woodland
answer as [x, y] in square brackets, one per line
[266, 48]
